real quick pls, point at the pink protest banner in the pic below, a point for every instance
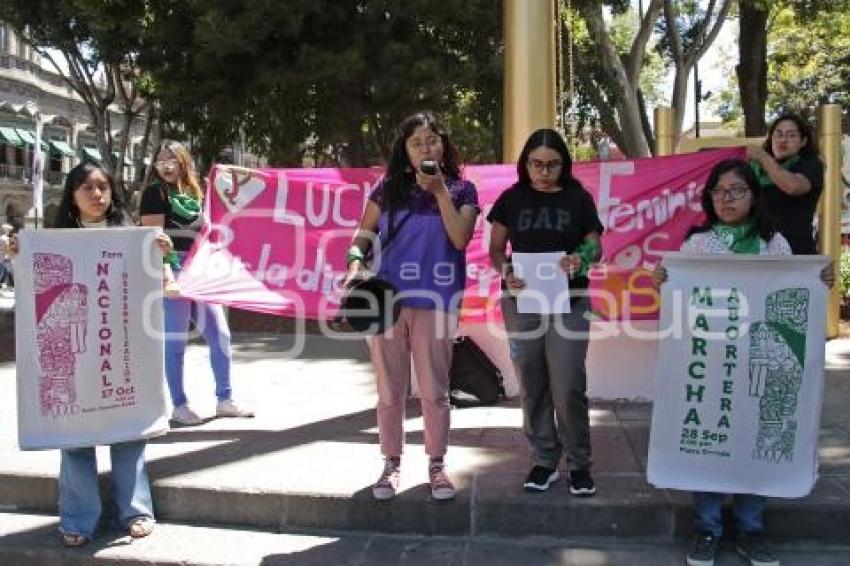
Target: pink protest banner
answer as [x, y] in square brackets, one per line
[276, 238]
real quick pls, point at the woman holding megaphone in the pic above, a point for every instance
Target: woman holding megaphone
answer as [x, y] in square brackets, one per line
[418, 221]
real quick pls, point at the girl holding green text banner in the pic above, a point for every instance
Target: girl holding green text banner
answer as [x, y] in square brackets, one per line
[736, 222]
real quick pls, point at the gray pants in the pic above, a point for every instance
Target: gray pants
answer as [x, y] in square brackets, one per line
[553, 381]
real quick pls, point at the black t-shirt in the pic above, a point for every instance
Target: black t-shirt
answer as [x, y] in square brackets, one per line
[540, 221]
[793, 215]
[182, 231]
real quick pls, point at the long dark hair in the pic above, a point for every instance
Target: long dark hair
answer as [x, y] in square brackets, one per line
[808, 150]
[400, 178]
[762, 222]
[68, 215]
[546, 137]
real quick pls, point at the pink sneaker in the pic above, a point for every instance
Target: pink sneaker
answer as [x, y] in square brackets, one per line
[441, 486]
[387, 484]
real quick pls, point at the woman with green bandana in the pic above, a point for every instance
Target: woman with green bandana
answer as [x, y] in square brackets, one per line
[791, 177]
[547, 210]
[174, 202]
[736, 223]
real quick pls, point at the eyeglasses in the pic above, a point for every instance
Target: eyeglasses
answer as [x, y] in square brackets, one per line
[417, 145]
[166, 164]
[540, 166]
[89, 188]
[786, 134]
[732, 193]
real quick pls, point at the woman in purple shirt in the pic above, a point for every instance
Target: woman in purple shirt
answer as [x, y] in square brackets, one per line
[423, 220]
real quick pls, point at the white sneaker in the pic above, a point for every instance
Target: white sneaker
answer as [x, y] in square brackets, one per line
[171, 290]
[185, 416]
[229, 408]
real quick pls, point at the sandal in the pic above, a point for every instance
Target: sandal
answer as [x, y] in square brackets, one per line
[141, 527]
[72, 540]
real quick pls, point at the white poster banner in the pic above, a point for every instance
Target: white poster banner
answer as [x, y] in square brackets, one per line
[739, 381]
[547, 288]
[88, 333]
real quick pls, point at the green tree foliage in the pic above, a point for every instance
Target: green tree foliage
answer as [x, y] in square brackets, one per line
[324, 79]
[809, 63]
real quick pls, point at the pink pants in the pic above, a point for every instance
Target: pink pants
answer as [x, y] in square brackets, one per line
[427, 335]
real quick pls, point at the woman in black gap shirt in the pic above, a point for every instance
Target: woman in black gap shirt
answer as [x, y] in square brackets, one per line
[791, 177]
[548, 210]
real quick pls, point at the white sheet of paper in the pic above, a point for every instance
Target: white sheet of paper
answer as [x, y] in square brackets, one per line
[547, 288]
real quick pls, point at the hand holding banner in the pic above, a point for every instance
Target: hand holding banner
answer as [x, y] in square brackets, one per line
[88, 329]
[739, 380]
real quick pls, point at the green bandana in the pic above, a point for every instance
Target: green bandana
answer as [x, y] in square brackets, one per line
[763, 177]
[587, 252]
[743, 239]
[186, 207]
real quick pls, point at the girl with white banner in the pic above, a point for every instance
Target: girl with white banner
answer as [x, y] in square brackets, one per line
[737, 223]
[89, 200]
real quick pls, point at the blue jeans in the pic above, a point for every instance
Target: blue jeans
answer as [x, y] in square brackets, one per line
[210, 320]
[748, 510]
[79, 494]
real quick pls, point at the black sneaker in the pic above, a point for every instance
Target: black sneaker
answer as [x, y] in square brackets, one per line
[754, 548]
[581, 484]
[540, 478]
[704, 551]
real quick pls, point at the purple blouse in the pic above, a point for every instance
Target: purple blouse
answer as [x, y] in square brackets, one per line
[420, 259]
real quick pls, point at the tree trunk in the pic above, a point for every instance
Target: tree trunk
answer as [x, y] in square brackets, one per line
[122, 149]
[629, 112]
[644, 120]
[104, 143]
[634, 143]
[752, 66]
[139, 163]
[680, 97]
[154, 139]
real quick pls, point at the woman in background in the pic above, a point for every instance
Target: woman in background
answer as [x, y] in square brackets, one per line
[174, 202]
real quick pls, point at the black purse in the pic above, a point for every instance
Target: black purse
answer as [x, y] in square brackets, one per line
[369, 306]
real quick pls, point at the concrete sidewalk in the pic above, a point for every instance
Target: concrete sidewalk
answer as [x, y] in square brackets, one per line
[309, 457]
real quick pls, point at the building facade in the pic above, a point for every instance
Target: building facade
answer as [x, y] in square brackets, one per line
[28, 88]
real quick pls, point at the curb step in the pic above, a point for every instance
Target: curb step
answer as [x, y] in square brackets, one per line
[32, 540]
[493, 505]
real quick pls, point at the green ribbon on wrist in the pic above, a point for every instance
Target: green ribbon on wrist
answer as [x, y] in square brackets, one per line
[353, 254]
